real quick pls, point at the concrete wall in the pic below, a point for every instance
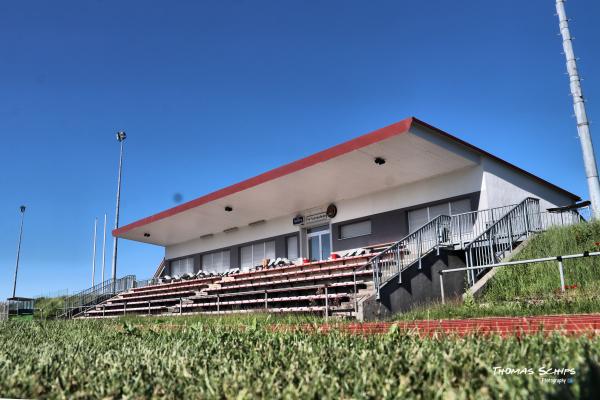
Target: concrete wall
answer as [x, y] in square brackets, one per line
[388, 226]
[419, 287]
[502, 185]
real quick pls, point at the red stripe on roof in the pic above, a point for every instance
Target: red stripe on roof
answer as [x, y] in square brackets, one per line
[332, 152]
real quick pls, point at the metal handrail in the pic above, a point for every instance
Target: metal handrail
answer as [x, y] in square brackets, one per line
[409, 250]
[502, 235]
[97, 293]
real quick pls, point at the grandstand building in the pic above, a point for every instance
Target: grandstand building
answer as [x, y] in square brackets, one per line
[362, 229]
[371, 190]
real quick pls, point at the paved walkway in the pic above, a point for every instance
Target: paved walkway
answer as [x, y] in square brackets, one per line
[567, 324]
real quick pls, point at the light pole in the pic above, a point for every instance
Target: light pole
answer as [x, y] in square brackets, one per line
[104, 248]
[22, 208]
[583, 126]
[94, 254]
[121, 138]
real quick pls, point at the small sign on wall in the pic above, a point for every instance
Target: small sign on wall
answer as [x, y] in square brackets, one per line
[331, 212]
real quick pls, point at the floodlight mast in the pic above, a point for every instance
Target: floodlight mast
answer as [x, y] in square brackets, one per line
[22, 208]
[583, 126]
[121, 136]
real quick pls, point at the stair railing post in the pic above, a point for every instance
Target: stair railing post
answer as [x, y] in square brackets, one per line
[397, 255]
[419, 242]
[510, 233]
[437, 236]
[460, 238]
[442, 287]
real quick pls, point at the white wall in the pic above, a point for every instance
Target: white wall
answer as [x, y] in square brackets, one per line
[502, 186]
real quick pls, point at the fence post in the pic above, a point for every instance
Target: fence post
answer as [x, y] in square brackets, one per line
[326, 304]
[180, 305]
[124, 307]
[218, 303]
[149, 312]
[266, 304]
[442, 287]
[355, 294]
[562, 275]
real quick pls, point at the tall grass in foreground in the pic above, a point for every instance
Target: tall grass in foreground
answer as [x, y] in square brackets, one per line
[109, 359]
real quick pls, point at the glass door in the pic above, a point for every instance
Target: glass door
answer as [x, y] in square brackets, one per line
[319, 243]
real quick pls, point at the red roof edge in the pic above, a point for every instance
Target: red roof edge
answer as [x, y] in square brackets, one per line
[324, 155]
[512, 166]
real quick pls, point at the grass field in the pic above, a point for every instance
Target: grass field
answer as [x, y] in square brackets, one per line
[114, 359]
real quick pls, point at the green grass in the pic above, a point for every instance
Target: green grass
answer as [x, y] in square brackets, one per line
[543, 280]
[113, 359]
[48, 307]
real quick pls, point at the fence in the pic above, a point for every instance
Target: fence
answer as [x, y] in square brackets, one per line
[559, 260]
[97, 293]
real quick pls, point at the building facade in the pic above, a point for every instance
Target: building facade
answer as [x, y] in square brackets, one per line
[371, 190]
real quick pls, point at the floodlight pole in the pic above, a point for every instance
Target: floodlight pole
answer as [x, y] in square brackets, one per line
[121, 138]
[94, 253]
[104, 248]
[583, 126]
[22, 208]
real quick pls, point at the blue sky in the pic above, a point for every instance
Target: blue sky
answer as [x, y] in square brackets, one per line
[213, 92]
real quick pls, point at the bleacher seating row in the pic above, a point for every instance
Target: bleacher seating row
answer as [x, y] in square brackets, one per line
[330, 287]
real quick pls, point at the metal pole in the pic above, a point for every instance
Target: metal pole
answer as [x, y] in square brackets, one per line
[22, 208]
[94, 253]
[562, 275]
[121, 138]
[104, 248]
[583, 126]
[326, 304]
[442, 287]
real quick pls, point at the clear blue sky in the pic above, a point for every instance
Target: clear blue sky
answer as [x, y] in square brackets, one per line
[214, 92]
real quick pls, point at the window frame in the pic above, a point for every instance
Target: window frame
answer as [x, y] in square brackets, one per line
[341, 225]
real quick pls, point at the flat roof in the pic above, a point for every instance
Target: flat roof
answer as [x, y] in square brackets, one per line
[370, 141]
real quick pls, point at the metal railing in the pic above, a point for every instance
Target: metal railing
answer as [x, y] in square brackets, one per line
[559, 260]
[491, 245]
[96, 294]
[467, 226]
[409, 250]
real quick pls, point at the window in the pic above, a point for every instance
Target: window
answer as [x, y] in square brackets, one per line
[182, 266]
[355, 229]
[216, 262]
[420, 216]
[252, 255]
[291, 245]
